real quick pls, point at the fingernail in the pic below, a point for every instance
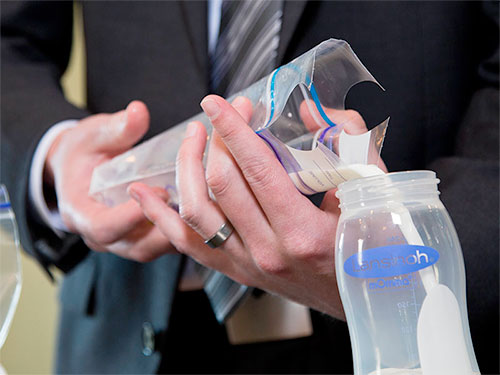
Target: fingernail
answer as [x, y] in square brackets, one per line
[191, 129]
[134, 194]
[211, 108]
[239, 101]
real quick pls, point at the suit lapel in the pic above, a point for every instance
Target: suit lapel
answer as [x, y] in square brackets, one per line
[292, 10]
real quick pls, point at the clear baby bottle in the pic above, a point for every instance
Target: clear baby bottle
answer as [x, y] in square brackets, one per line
[401, 277]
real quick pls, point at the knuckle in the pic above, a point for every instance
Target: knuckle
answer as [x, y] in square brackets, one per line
[298, 246]
[229, 133]
[190, 213]
[153, 216]
[301, 247]
[355, 118]
[181, 248]
[218, 178]
[259, 174]
[302, 253]
[142, 256]
[270, 264]
[353, 114]
[184, 241]
[100, 234]
[180, 244]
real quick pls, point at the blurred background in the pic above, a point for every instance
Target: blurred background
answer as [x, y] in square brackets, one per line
[30, 344]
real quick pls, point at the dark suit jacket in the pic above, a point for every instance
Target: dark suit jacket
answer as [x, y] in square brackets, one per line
[437, 61]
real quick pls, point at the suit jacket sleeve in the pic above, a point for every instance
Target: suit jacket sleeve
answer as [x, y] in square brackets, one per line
[469, 187]
[36, 43]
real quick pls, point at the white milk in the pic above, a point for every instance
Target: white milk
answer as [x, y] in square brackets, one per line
[323, 179]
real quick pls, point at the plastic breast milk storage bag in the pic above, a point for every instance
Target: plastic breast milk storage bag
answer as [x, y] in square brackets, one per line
[291, 112]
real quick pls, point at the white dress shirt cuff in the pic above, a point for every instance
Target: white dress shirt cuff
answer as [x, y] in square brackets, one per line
[50, 217]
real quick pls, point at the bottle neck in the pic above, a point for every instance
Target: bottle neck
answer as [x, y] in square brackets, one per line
[392, 187]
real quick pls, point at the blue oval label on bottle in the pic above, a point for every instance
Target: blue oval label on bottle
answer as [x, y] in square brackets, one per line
[393, 260]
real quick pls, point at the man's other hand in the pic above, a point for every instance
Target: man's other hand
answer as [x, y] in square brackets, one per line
[123, 229]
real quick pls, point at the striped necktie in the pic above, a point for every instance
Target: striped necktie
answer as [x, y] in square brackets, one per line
[246, 51]
[247, 46]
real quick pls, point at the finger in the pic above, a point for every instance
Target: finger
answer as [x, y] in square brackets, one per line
[143, 247]
[266, 177]
[310, 116]
[244, 107]
[195, 206]
[161, 192]
[330, 203]
[102, 224]
[235, 197]
[351, 120]
[185, 239]
[231, 191]
[354, 124]
[119, 131]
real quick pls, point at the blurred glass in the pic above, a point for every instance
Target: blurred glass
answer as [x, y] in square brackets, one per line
[10, 264]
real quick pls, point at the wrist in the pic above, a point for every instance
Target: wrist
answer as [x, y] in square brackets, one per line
[48, 168]
[41, 186]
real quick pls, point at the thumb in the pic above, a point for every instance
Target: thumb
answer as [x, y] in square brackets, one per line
[119, 131]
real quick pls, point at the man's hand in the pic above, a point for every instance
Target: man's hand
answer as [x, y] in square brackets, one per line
[123, 230]
[282, 243]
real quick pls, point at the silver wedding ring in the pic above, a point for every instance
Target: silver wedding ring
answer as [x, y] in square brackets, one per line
[220, 236]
